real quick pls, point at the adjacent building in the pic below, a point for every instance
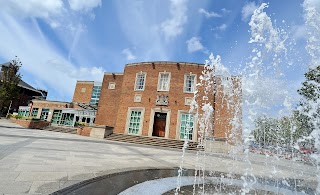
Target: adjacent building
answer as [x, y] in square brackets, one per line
[26, 92]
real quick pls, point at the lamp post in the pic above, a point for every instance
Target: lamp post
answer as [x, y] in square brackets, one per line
[9, 109]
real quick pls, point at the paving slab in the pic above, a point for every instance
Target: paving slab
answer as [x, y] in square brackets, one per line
[41, 162]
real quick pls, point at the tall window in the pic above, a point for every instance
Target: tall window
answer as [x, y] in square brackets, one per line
[34, 112]
[23, 112]
[95, 95]
[164, 81]
[189, 83]
[140, 81]
[186, 126]
[56, 116]
[44, 114]
[134, 125]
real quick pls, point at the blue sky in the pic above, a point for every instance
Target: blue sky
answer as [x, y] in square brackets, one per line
[61, 41]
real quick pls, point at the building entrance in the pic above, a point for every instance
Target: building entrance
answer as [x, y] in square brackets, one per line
[159, 124]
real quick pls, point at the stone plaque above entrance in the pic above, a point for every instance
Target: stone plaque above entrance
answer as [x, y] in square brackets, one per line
[162, 100]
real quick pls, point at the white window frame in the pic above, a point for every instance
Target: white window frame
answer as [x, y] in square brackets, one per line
[195, 125]
[159, 80]
[185, 83]
[130, 109]
[144, 83]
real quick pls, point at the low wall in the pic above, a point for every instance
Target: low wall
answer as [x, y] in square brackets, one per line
[31, 124]
[84, 131]
[96, 131]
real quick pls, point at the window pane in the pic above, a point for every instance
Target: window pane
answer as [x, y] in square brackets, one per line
[164, 81]
[186, 126]
[135, 117]
[140, 81]
[190, 83]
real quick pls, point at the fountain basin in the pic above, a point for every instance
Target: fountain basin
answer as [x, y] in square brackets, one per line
[164, 181]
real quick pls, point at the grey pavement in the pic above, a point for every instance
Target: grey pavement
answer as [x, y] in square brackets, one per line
[41, 162]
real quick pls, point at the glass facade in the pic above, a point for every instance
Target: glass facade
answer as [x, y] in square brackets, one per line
[95, 95]
[34, 113]
[44, 114]
[23, 113]
[134, 125]
[186, 126]
[56, 116]
[67, 119]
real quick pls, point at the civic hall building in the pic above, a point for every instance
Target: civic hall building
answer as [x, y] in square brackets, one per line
[153, 99]
[148, 99]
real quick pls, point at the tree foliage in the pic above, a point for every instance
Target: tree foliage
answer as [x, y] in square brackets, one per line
[284, 131]
[10, 78]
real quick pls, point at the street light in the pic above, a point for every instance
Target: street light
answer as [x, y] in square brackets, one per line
[9, 109]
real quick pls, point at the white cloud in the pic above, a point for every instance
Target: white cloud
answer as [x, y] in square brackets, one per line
[268, 95]
[194, 44]
[225, 11]
[129, 56]
[174, 26]
[247, 10]
[312, 3]
[41, 60]
[84, 5]
[33, 8]
[222, 27]
[209, 14]
[299, 32]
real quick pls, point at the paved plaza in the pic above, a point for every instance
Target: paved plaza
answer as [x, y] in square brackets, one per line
[41, 162]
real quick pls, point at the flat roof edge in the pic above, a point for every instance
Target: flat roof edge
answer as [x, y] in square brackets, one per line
[164, 62]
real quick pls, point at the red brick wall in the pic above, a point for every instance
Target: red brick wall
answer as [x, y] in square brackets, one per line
[84, 131]
[225, 109]
[109, 100]
[31, 124]
[50, 104]
[113, 104]
[83, 97]
[149, 95]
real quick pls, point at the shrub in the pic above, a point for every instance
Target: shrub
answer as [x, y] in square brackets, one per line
[18, 117]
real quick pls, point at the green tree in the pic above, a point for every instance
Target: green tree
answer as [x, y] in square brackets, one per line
[310, 103]
[284, 131]
[9, 80]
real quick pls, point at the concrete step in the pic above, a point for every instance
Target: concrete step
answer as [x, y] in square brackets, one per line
[61, 129]
[152, 141]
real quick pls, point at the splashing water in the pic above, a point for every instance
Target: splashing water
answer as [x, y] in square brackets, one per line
[269, 54]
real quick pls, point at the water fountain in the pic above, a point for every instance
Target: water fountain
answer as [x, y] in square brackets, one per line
[243, 171]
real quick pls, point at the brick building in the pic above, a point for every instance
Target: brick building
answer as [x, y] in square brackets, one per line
[81, 109]
[153, 98]
[147, 99]
[25, 92]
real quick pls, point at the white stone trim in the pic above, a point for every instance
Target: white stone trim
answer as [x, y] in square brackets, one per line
[162, 110]
[137, 98]
[142, 109]
[112, 85]
[195, 125]
[188, 101]
[169, 78]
